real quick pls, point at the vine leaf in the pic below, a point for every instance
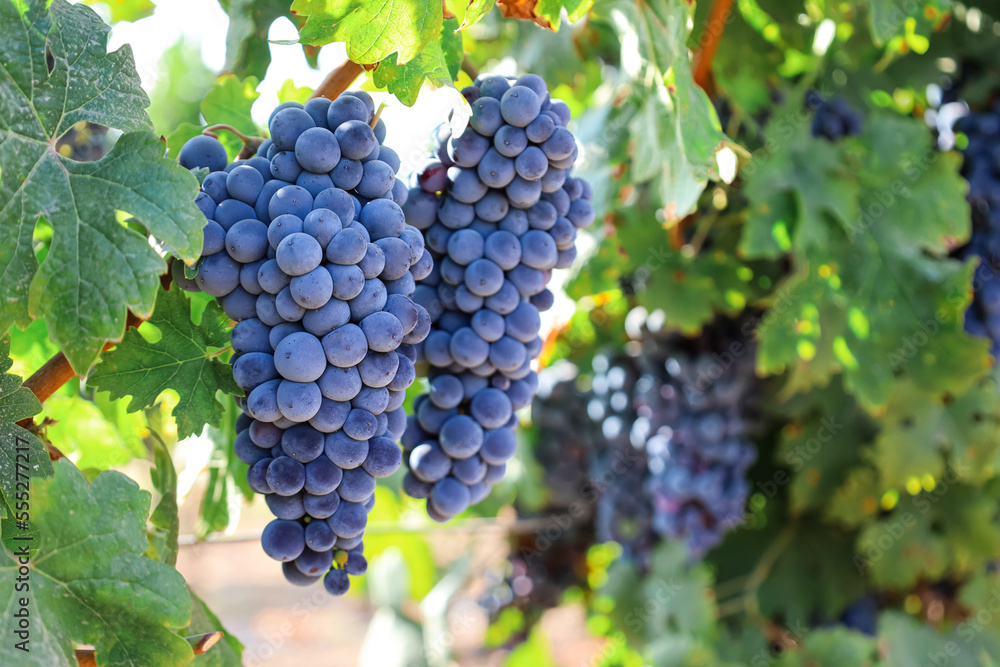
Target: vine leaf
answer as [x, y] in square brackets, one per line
[127, 10]
[869, 223]
[224, 654]
[91, 583]
[95, 268]
[164, 522]
[248, 51]
[181, 360]
[371, 29]
[439, 63]
[17, 403]
[475, 12]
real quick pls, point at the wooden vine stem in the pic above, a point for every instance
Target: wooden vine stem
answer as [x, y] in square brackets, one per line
[718, 17]
[250, 144]
[338, 80]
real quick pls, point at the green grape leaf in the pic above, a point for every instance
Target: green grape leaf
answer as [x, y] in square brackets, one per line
[372, 30]
[873, 294]
[475, 11]
[91, 583]
[439, 63]
[907, 641]
[814, 573]
[289, 92]
[248, 52]
[658, 29]
[888, 19]
[228, 652]
[926, 535]
[229, 102]
[856, 501]
[23, 457]
[164, 522]
[918, 427]
[95, 268]
[837, 646]
[126, 10]
[551, 10]
[820, 445]
[181, 360]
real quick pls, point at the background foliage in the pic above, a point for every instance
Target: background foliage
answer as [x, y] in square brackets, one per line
[876, 477]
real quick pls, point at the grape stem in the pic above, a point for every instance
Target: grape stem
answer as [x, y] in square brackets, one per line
[762, 570]
[377, 114]
[338, 80]
[718, 17]
[56, 372]
[250, 144]
[469, 68]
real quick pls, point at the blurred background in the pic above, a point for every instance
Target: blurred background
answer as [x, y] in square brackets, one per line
[767, 430]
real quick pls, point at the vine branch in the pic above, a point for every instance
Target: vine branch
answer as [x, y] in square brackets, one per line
[718, 17]
[338, 80]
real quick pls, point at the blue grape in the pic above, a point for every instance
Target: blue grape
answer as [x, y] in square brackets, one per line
[527, 280]
[205, 204]
[286, 476]
[345, 451]
[283, 540]
[317, 109]
[298, 401]
[397, 257]
[321, 507]
[356, 139]
[491, 408]
[271, 278]
[499, 445]
[453, 214]
[314, 183]
[286, 306]
[540, 129]
[203, 151]
[246, 451]
[520, 105]
[510, 140]
[239, 304]
[382, 218]
[290, 199]
[450, 497]
[347, 248]
[340, 384]
[465, 246]
[560, 145]
[313, 289]
[503, 248]
[405, 374]
[257, 478]
[553, 179]
[322, 477]
[469, 471]
[523, 193]
[326, 318]
[429, 463]
[253, 369]
[493, 86]
[346, 281]
[356, 564]
[281, 227]
[484, 277]
[214, 186]
[336, 582]
[314, 563]
[349, 520]
[317, 150]
[264, 434]
[377, 180]
[246, 241]
[372, 299]
[249, 279]
[283, 507]
[373, 400]
[466, 186]
[486, 118]
[218, 274]
[262, 207]
[347, 107]
[338, 201]
[495, 170]
[488, 324]
[538, 249]
[345, 346]
[493, 207]
[372, 263]
[360, 424]
[319, 536]
[378, 369]
[287, 125]
[460, 436]
[357, 485]
[302, 443]
[322, 224]
[245, 183]
[330, 416]
[298, 254]
[446, 391]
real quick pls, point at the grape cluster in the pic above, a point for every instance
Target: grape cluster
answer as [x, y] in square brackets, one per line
[307, 248]
[981, 169]
[834, 119]
[500, 210]
[691, 404]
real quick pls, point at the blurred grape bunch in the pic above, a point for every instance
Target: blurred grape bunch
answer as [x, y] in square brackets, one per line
[85, 142]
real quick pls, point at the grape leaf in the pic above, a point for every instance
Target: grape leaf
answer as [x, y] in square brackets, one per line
[228, 652]
[95, 268]
[181, 360]
[126, 10]
[91, 583]
[909, 642]
[873, 294]
[815, 573]
[248, 53]
[164, 523]
[551, 10]
[888, 18]
[831, 646]
[475, 11]
[229, 102]
[439, 63]
[22, 456]
[371, 29]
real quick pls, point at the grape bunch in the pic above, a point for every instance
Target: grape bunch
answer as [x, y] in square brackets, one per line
[306, 247]
[500, 211]
[981, 168]
[834, 118]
